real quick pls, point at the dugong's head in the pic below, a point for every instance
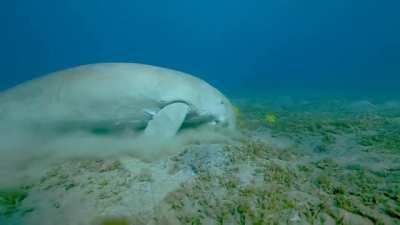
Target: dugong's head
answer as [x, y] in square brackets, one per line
[221, 111]
[207, 104]
[213, 107]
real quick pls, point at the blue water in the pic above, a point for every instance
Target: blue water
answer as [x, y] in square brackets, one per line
[237, 46]
[315, 88]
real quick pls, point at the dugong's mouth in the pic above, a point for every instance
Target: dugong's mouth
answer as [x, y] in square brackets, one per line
[198, 120]
[194, 119]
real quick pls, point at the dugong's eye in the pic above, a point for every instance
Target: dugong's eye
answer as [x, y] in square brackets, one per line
[221, 102]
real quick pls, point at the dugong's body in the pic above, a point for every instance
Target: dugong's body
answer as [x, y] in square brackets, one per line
[114, 96]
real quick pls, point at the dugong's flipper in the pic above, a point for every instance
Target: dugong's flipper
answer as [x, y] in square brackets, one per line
[167, 121]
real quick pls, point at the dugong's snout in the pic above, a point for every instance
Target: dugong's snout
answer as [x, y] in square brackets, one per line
[222, 112]
[227, 120]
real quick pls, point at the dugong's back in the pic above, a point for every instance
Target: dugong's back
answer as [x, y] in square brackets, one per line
[72, 93]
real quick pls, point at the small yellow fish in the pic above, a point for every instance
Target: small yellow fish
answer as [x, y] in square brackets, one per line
[270, 118]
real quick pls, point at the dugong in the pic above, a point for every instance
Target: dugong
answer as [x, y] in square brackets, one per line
[114, 96]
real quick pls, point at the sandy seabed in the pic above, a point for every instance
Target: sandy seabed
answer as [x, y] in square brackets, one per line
[295, 161]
